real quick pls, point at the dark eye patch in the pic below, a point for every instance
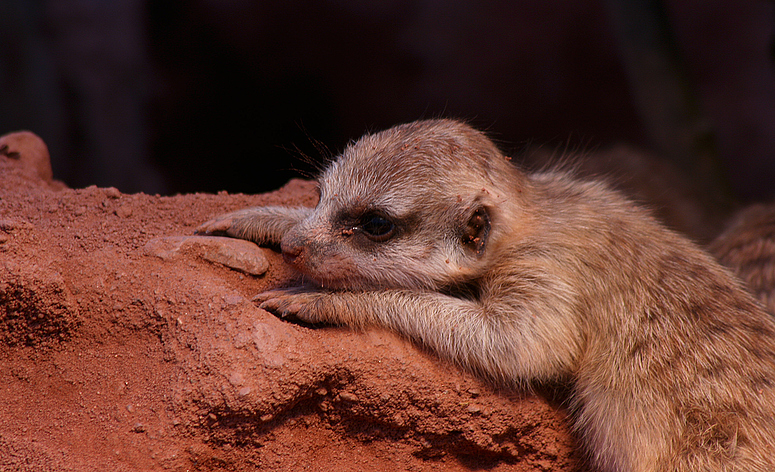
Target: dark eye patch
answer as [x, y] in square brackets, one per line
[377, 227]
[371, 225]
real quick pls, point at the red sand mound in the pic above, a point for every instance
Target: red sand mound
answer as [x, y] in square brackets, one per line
[128, 344]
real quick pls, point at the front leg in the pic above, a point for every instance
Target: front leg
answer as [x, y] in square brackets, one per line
[504, 346]
[262, 225]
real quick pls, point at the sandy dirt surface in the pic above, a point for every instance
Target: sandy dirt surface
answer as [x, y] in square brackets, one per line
[128, 344]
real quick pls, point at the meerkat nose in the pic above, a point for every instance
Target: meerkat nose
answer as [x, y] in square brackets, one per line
[291, 252]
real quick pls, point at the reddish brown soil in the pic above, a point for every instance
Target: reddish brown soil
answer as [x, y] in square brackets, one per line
[126, 347]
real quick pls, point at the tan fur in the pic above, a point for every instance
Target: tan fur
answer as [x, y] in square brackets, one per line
[748, 248]
[524, 278]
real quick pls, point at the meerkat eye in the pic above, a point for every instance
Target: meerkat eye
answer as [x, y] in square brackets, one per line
[377, 228]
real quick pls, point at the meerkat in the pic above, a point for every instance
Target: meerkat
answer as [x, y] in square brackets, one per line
[747, 246]
[427, 229]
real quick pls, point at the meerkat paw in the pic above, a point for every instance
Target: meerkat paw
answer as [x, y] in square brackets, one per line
[217, 226]
[307, 306]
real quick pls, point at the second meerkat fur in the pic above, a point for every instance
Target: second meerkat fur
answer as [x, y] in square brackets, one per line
[428, 229]
[747, 247]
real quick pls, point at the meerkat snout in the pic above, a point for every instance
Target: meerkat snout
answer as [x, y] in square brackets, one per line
[291, 251]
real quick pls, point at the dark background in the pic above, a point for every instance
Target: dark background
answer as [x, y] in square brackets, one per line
[208, 95]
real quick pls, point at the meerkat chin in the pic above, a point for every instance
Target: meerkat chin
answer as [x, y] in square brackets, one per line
[428, 229]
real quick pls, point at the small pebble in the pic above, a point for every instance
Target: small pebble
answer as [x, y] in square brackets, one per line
[124, 211]
[236, 379]
[348, 397]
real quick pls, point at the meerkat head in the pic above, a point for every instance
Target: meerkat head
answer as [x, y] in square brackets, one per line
[419, 205]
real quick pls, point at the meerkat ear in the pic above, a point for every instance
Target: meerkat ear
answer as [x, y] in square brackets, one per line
[476, 230]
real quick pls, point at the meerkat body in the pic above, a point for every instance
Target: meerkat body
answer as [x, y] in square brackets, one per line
[428, 230]
[747, 247]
